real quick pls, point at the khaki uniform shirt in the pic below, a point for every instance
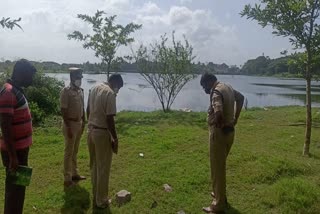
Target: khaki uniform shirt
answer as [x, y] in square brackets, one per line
[72, 99]
[101, 103]
[222, 99]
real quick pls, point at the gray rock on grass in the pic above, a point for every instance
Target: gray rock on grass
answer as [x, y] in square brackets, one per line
[167, 188]
[123, 197]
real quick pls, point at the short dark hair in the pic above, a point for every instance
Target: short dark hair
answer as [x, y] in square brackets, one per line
[76, 73]
[23, 65]
[207, 77]
[116, 78]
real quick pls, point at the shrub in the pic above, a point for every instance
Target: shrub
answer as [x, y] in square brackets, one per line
[38, 115]
[43, 95]
[45, 91]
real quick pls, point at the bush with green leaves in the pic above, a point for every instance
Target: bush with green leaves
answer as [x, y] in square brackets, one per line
[45, 91]
[43, 95]
[38, 115]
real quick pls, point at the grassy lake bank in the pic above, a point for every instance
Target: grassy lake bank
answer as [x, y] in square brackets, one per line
[266, 172]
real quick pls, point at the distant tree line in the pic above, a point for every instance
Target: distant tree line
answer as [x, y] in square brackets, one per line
[95, 68]
[54, 67]
[263, 65]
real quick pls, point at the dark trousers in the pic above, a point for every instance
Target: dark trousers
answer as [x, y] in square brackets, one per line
[14, 194]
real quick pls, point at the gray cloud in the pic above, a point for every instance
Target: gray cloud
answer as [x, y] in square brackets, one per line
[47, 23]
[185, 1]
[199, 26]
[150, 8]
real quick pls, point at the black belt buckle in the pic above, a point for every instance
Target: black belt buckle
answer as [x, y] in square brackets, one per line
[227, 129]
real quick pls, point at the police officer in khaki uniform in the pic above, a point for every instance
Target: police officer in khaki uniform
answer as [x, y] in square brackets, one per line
[102, 136]
[223, 115]
[72, 108]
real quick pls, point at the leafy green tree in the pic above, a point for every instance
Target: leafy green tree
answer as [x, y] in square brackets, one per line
[106, 38]
[256, 66]
[9, 23]
[166, 68]
[278, 66]
[298, 20]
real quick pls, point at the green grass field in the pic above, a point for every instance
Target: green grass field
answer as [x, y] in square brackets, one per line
[266, 172]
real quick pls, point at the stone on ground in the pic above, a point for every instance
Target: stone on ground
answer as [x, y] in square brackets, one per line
[123, 197]
[167, 188]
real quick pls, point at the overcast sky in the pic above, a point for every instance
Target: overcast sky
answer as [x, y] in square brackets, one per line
[214, 28]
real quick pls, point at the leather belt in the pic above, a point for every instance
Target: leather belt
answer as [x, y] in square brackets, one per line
[97, 127]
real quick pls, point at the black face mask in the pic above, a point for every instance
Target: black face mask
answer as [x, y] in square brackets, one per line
[207, 90]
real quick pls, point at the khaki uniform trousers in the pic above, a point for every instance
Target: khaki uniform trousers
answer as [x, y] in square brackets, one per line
[220, 145]
[71, 149]
[100, 149]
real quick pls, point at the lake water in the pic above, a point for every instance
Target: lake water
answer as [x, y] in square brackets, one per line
[259, 91]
